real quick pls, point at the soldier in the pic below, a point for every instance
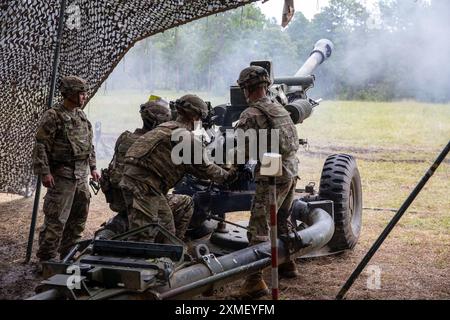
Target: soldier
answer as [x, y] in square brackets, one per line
[63, 156]
[149, 171]
[153, 113]
[263, 113]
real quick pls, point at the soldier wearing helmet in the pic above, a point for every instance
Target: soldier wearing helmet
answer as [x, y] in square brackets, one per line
[263, 113]
[153, 113]
[64, 156]
[150, 171]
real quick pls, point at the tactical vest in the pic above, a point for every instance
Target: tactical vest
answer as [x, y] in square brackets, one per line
[73, 137]
[279, 118]
[154, 162]
[124, 143]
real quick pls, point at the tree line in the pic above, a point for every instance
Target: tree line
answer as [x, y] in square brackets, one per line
[396, 50]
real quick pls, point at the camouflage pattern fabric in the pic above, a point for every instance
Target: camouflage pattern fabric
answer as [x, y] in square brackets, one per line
[181, 206]
[149, 167]
[95, 37]
[114, 226]
[252, 76]
[192, 104]
[149, 173]
[265, 114]
[148, 208]
[66, 208]
[110, 186]
[64, 144]
[260, 212]
[113, 192]
[73, 84]
[64, 149]
[155, 112]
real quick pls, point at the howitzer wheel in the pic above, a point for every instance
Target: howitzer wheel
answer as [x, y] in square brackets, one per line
[341, 183]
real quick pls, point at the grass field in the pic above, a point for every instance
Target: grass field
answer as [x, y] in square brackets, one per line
[394, 144]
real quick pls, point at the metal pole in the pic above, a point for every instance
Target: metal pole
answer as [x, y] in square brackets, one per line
[226, 221]
[392, 223]
[273, 237]
[49, 105]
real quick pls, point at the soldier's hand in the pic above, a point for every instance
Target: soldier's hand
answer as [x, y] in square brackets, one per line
[48, 181]
[232, 175]
[95, 175]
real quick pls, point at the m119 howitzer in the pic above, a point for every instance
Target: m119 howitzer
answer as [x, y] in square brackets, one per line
[215, 201]
[323, 222]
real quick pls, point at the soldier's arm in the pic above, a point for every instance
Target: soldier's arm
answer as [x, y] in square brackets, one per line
[45, 136]
[209, 171]
[247, 121]
[202, 169]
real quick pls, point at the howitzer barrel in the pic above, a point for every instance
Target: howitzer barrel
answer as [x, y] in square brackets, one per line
[295, 81]
[321, 52]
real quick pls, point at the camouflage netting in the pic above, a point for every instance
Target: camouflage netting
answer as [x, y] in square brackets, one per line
[96, 35]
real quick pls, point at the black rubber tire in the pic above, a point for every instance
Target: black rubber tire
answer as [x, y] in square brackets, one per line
[341, 183]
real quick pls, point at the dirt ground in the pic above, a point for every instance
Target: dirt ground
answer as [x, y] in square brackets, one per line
[413, 263]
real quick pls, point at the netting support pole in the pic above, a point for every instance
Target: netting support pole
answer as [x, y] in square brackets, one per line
[37, 194]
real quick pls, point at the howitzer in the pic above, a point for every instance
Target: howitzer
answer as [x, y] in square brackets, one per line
[323, 222]
[291, 92]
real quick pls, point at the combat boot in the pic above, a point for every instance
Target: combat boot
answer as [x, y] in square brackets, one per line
[288, 270]
[254, 287]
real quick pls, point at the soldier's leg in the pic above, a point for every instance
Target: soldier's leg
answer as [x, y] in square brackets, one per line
[258, 226]
[165, 217]
[113, 227]
[286, 191]
[147, 209]
[76, 222]
[285, 197]
[182, 207]
[57, 204]
[254, 285]
[119, 223]
[258, 231]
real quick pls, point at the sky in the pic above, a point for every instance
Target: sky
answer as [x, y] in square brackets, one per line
[274, 8]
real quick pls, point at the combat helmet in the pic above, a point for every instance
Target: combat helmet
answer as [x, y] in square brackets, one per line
[73, 84]
[252, 76]
[155, 111]
[191, 103]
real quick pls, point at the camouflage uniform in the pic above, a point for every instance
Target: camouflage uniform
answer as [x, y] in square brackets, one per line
[181, 206]
[64, 149]
[110, 186]
[149, 173]
[265, 114]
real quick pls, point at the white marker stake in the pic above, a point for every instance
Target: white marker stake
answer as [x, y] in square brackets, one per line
[271, 166]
